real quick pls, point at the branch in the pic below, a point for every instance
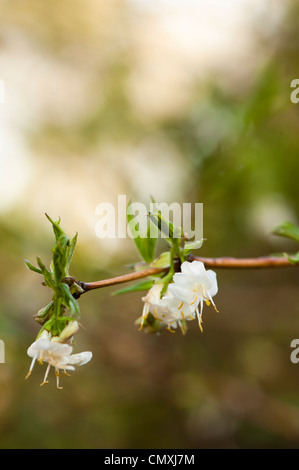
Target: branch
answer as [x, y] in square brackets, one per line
[235, 263]
[121, 279]
[244, 263]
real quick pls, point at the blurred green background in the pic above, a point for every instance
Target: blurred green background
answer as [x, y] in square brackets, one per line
[187, 101]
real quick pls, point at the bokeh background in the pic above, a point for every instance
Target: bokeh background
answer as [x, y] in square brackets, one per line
[188, 101]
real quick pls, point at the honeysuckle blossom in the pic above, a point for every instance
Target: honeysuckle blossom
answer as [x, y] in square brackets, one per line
[56, 353]
[193, 286]
[168, 310]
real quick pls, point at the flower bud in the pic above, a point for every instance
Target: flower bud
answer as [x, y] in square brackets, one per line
[44, 314]
[68, 332]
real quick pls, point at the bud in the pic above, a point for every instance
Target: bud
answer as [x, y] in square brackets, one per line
[44, 314]
[68, 332]
[76, 290]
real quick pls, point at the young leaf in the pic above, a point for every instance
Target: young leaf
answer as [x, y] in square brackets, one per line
[145, 242]
[33, 268]
[288, 230]
[189, 246]
[141, 286]
[60, 258]
[69, 300]
[47, 275]
[45, 313]
[71, 250]
[294, 259]
[166, 226]
[163, 261]
[58, 232]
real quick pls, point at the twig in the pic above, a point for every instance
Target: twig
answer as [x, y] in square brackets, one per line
[244, 263]
[87, 286]
[235, 263]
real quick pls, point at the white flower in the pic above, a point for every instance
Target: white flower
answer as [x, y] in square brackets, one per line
[56, 354]
[194, 285]
[168, 310]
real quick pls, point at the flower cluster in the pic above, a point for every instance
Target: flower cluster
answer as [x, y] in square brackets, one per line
[173, 298]
[184, 298]
[56, 351]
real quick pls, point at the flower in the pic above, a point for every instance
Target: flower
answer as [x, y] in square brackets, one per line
[194, 285]
[168, 310]
[57, 354]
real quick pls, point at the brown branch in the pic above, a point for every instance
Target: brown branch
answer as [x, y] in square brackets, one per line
[235, 263]
[244, 263]
[87, 286]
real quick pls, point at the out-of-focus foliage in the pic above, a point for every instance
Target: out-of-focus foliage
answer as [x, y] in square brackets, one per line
[85, 125]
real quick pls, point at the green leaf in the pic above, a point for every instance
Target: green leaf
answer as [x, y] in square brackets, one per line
[69, 300]
[45, 313]
[294, 259]
[33, 268]
[52, 316]
[166, 226]
[60, 258]
[288, 230]
[163, 261]
[145, 243]
[71, 250]
[189, 246]
[138, 266]
[141, 286]
[47, 326]
[47, 275]
[58, 232]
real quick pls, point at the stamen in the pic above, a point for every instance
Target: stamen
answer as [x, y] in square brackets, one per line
[40, 360]
[144, 314]
[65, 373]
[181, 327]
[31, 367]
[156, 315]
[213, 304]
[194, 300]
[199, 317]
[28, 375]
[45, 381]
[181, 306]
[57, 379]
[169, 329]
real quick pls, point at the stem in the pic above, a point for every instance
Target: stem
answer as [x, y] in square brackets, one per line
[244, 263]
[235, 263]
[87, 286]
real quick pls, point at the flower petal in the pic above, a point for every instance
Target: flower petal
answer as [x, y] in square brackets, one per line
[80, 358]
[181, 293]
[213, 280]
[41, 344]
